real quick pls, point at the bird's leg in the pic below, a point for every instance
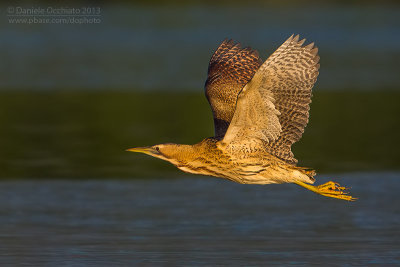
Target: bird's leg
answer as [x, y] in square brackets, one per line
[329, 189]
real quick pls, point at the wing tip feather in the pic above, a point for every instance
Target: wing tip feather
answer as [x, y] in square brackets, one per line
[301, 42]
[314, 51]
[309, 46]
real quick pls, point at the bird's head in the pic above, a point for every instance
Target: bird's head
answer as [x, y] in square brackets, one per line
[169, 152]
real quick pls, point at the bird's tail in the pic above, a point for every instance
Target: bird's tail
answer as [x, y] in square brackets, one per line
[308, 171]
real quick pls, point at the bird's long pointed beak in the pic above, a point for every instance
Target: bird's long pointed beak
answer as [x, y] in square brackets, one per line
[146, 150]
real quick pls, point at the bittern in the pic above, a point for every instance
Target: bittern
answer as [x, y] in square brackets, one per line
[260, 110]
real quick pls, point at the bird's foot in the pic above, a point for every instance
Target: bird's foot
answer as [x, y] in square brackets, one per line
[330, 189]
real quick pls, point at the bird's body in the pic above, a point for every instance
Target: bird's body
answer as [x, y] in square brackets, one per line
[260, 110]
[255, 167]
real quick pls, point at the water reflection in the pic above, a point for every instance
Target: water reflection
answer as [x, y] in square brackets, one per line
[84, 135]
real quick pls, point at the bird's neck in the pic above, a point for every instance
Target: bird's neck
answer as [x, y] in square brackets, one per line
[203, 158]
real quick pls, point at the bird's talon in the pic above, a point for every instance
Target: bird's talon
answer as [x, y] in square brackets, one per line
[332, 189]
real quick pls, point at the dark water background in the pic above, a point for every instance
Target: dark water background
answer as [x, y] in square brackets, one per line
[74, 97]
[167, 47]
[85, 134]
[199, 222]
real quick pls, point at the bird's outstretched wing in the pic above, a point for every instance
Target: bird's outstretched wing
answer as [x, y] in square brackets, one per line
[273, 108]
[231, 67]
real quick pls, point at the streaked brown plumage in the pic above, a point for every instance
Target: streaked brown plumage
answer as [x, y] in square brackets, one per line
[260, 110]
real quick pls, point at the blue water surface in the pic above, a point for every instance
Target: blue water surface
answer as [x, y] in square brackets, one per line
[198, 221]
[158, 47]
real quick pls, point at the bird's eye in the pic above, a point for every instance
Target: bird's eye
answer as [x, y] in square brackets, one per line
[157, 148]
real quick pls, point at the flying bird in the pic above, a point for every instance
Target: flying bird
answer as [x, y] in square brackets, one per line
[260, 110]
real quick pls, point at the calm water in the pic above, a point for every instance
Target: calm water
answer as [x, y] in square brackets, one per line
[168, 47]
[198, 221]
